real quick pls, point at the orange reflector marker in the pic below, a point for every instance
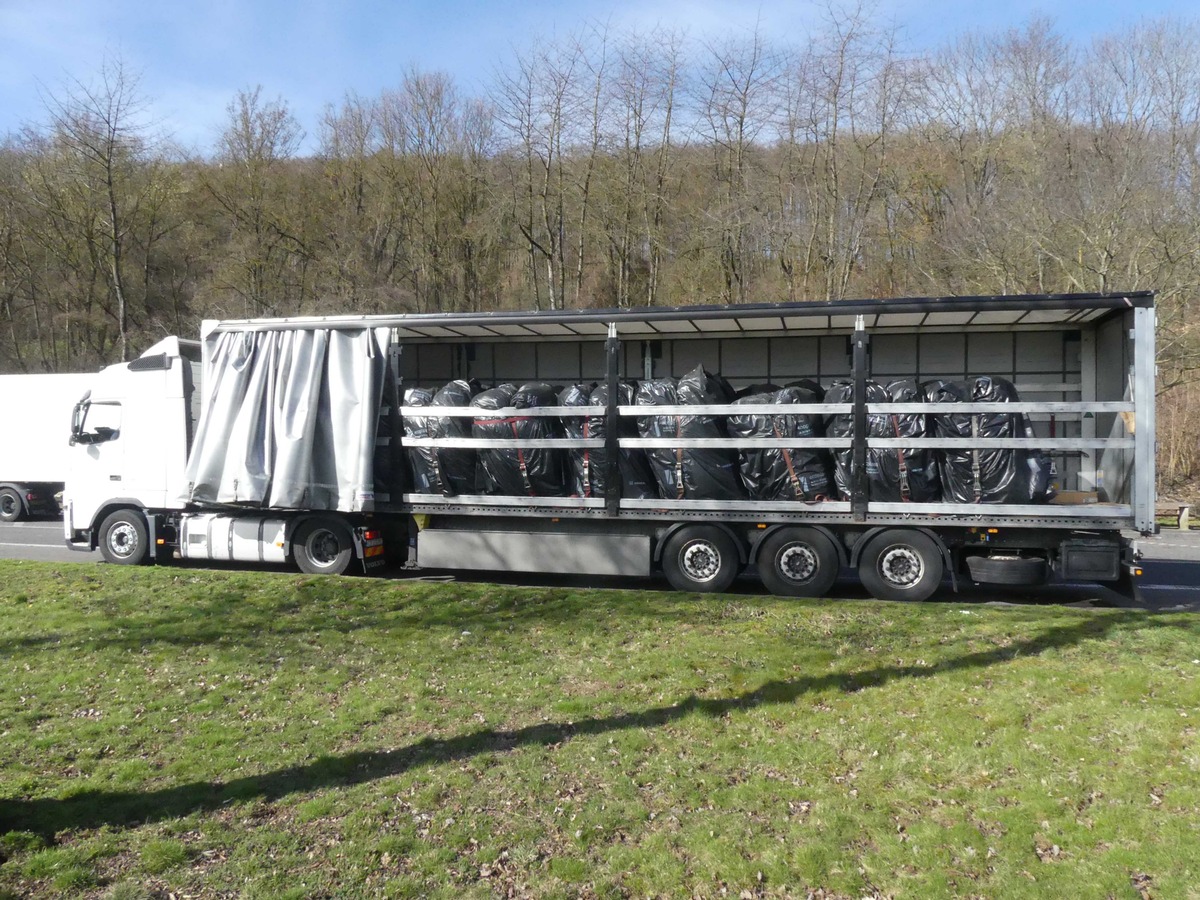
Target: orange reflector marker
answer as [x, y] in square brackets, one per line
[1137, 571]
[160, 541]
[993, 531]
[762, 525]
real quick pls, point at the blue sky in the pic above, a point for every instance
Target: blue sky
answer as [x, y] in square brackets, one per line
[193, 57]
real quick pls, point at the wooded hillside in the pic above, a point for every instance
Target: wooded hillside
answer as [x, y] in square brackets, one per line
[629, 169]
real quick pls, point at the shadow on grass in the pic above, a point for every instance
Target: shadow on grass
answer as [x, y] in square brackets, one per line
[249, 617]
[94, 809]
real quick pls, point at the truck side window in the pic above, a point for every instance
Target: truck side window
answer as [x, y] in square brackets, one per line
[104, 421]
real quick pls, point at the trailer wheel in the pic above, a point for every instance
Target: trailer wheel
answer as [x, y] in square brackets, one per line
[323, 546]
[901, 564]
[124, 538]
[11, 507]
[798, 562]
[700, 558]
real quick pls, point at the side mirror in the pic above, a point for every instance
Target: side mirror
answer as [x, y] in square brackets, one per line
[78, 414]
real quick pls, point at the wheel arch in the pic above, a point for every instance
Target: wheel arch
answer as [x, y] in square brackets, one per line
[857, 549]
[833, 536]
[738, 540]
[295, 522]
[110, 507]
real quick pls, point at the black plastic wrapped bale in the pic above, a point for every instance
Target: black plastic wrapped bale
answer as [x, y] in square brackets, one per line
[971, 475]
[690, 474]
[579, 478]
[752, 390]
[894, 475]
[783, 473]
[446, 472]
[637, 481]
[423, 461]
[809, 385]
[519, 472]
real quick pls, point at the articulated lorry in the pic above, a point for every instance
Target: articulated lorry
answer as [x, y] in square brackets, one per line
[1004, 440]
[34, 455]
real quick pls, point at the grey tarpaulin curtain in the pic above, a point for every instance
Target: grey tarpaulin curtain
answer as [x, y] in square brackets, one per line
[289, 419]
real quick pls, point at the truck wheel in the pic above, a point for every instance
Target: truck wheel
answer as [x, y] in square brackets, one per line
[1017, 571]
[700, 558]
[901, 564]
[124, 538]
[798, 562]
[323, 546]
[11, 507]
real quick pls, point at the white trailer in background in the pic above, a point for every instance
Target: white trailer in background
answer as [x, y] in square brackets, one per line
[300, 450]
[35, 415]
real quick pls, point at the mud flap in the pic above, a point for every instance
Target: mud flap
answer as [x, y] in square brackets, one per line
[369, 547]
[1129, 574]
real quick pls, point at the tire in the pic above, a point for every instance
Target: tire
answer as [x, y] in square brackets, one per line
[1015, 571]
[901, 564]
[700, 558]
[12, 508]
[798, 562]
[124, 538]
[323, 546]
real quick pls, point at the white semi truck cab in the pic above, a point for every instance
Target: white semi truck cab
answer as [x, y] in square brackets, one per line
[131, 432]
[127, 494]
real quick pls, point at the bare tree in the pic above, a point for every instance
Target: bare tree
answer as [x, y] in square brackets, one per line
[534, 105]
[737, 94]
[102, 134]
[250, 185]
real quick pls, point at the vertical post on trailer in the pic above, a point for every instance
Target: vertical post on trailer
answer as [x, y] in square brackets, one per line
[859, 485]
[612, 433]
[1144, 438]
[393, 394]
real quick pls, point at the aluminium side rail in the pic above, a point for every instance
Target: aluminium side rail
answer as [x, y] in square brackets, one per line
[1091, 515]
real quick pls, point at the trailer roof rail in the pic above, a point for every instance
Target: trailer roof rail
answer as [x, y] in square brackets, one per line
[998, 310]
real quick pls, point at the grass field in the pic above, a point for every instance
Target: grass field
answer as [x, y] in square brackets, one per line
[211, 734]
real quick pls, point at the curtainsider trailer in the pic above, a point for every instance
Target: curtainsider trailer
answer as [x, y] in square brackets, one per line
[34, 455]
[1004, 440]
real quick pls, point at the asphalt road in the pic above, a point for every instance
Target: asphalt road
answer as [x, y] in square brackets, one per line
[1171, 564]
[38, 539]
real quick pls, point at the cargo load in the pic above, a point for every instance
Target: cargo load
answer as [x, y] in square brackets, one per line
[894, 475]
[532, 472]
[589, 467]
[783, 473]
[423, 462]
[443, 471]
[973, 475]
[682, 473]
